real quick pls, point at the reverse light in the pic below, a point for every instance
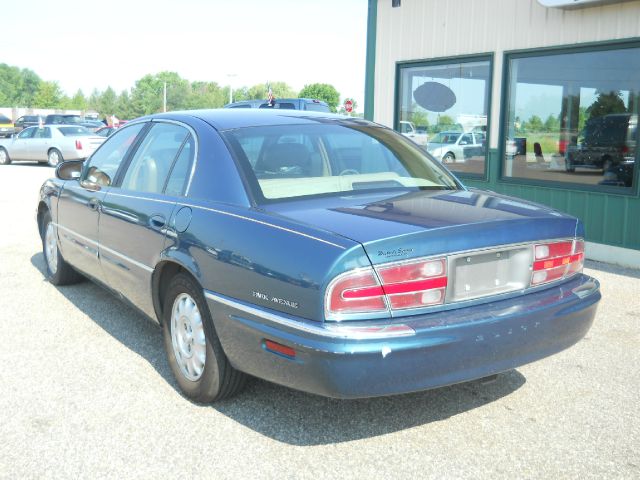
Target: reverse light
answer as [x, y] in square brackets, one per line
[557, 260]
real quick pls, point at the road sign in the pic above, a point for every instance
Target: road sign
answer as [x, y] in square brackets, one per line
[348, 106]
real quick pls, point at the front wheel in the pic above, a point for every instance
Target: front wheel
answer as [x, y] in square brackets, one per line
[4, 157]
[54, 157]
[195, 354]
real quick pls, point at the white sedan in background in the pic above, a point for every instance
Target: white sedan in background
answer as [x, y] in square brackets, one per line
[50, 144]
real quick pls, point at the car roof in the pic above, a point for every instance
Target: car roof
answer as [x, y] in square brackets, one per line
[231, 118]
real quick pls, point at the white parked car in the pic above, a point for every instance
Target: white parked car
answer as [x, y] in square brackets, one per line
[408, 129]
[50, 144]
[449, 147]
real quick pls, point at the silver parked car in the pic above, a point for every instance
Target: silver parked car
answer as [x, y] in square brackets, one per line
[50, 144]
[449, 147]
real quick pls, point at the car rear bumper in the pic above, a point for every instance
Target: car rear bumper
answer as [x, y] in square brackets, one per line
[446, 347]
[7, 131]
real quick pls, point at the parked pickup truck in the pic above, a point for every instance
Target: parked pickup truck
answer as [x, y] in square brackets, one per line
[408, 129]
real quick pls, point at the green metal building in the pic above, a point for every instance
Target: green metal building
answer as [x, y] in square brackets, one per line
[538, 99]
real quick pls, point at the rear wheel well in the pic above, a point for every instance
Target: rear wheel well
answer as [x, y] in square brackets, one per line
[162, 276]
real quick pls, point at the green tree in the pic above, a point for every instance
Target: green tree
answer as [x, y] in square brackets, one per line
[322, 91]
[606, 103]
[207, 95]
[552, 124]
[107, 102]
[78, 101]
[18, 87]
[534, 124]
[123, 105]
[419, 118]
[48, 95]
[147, 94]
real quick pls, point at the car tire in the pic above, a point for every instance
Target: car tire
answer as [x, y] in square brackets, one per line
[4, 157]
[448, 158]
[195, 354]
[54, 157]
[57, 270]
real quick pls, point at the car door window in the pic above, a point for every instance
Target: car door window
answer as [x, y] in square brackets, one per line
[153, 160]
[104, 163]
[42, 133]
[27, 133]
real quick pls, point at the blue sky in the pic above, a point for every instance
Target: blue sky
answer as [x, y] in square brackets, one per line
[89, 45]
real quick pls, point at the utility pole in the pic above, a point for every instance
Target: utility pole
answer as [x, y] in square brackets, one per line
[230, 75]
[164, 102]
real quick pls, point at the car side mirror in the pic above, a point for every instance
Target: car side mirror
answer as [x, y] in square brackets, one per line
[69, 170]
[464, 143]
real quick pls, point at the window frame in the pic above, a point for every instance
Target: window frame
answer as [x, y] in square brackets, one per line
[588, 47]
[437, 61]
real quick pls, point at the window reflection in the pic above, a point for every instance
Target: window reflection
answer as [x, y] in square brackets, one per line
[443, 108]
[574, 117]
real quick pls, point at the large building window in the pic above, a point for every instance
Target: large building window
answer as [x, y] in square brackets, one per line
[443, 106]
[573, 117]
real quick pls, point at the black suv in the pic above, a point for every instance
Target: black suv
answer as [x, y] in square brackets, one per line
[284, 103]
[27, 121]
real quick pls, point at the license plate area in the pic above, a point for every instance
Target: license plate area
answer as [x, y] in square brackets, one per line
[488, 272]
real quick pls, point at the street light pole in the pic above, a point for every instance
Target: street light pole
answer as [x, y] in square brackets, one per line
[230, 75]
[164, 102]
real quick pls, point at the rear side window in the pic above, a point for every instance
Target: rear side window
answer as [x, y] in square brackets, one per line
[179, 175]
[75, 131]
[42, 133]
[153, 160]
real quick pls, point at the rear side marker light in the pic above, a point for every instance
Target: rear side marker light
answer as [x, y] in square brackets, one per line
[78, 145]
[557, 260]
[279, 349]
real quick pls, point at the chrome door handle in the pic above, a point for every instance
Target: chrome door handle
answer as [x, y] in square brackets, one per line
[93, 204]
[157, 222]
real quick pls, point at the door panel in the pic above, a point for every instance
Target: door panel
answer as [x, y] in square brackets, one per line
[78, 214]
[135, 214]
[132, 233]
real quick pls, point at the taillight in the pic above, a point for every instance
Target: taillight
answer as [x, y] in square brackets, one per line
[415, 284]
[78, 145]
[395, 286]
[356, 292]
[553, 261]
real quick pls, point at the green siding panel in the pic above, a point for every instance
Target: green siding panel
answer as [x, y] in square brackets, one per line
[609, 218]
[614, 220]
[632, 231]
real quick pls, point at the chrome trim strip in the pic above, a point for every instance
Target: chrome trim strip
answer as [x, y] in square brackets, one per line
[127, 259]
[106, 249]
[221, 212]
[295, 232]
[332, 331]
[135, 197]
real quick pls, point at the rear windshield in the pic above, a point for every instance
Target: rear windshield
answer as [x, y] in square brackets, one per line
[75, 131]
[291, 161]
[316, 107]
[4, 119]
